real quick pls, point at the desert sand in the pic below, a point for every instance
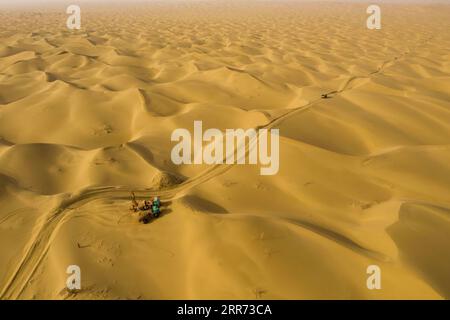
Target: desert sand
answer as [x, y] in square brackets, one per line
[86, 117]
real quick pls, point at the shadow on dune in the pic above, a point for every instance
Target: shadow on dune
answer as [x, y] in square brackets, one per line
[200, 204]
[421, 235]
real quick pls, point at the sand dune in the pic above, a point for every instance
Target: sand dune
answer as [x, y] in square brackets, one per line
[86, 118]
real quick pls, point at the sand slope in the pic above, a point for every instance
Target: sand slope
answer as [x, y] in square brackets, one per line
[86, 117]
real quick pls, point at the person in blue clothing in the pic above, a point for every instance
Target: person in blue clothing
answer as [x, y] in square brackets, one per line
[156, 207]
[157, 201]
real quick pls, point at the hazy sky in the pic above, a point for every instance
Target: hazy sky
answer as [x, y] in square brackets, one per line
[37, 3]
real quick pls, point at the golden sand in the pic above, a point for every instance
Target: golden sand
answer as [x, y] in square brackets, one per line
[86, 117]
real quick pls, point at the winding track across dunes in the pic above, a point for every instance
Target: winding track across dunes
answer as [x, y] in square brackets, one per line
[39, 244]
